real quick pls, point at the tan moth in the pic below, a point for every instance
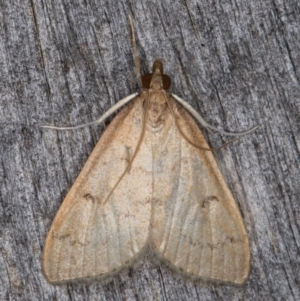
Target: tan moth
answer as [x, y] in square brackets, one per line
[150, 183]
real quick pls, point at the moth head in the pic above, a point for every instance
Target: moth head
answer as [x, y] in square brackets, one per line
[156, 80]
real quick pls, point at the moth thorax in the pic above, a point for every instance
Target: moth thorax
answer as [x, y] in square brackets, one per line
[157, 108]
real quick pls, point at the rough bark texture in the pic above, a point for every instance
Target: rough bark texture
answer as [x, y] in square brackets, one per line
[66, 62]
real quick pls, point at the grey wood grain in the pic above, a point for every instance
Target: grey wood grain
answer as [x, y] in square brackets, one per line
[66, 62]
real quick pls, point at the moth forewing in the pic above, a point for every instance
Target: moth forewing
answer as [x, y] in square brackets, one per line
[87, 238]
[197, 226]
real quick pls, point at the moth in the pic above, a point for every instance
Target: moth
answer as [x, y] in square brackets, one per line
[151, 183]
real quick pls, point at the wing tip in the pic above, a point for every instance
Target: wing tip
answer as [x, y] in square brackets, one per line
[237, 281]
[103, 278]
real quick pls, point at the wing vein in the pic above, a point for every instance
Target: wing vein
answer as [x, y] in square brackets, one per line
[201, 251]
[212, 244]
[100, 231]
[189, 245]
[174, 207]
[60, 248]
[58, 259]
[178, 202]
[96, 238]
[118, 228]
[235, 261]
[182, 240]
[84, 241]
[106, 240]
[192, 236]
[131, 239]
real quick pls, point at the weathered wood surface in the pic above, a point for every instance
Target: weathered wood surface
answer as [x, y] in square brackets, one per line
[66, 62]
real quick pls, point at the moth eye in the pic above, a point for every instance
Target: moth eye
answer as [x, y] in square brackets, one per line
[166, 81]
[146, 80]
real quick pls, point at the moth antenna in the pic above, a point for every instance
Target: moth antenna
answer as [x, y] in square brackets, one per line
[137, 60]
[113, 109]
[135, 152]
[116, 107]
[190, 141]
[192, 19]
[200, 119]
[52, 127]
